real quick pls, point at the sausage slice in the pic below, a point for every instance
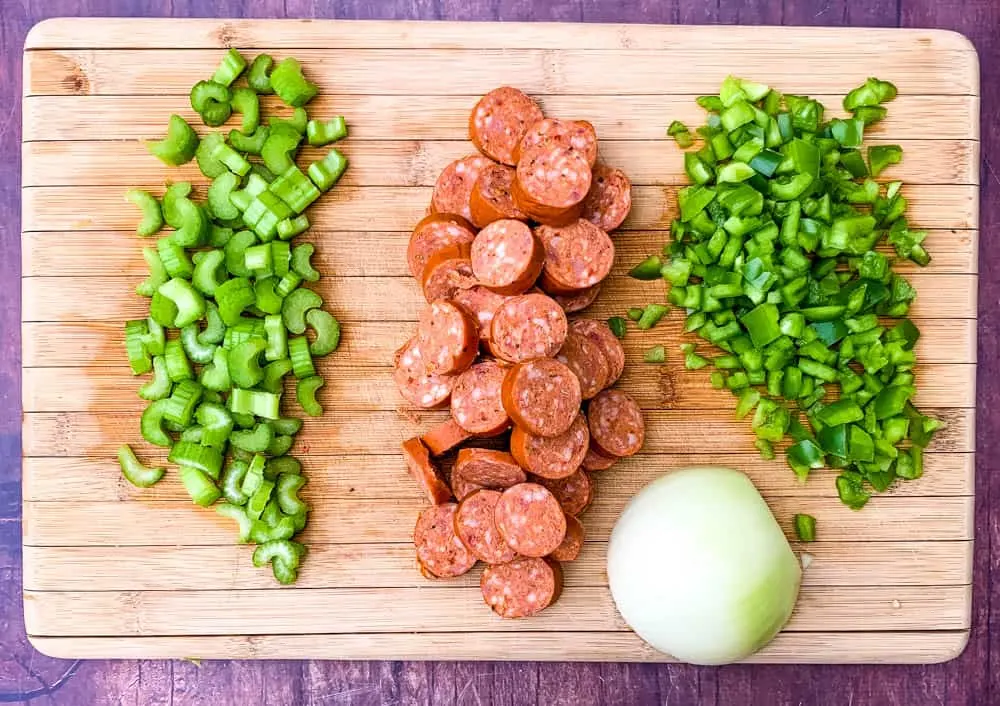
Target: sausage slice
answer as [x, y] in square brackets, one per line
[448, 337]
[599, 333]
[453, 188]
[420, 466]
[577, 135]
[448, 271]
[444, 437]
[550, 185]
[542, 396]
[482, 303]
[439, 550]
[574, 492]
[572, 544]
[577, 256]
[487, 468]
[499, 120]
[434, 232]
[417, 386]
[610, 198]
[552, 456]
[530, 519]
[476, 402]
[521, 588]
[586, 359]
[491, 198]
[596, 461]
[476, 527]
[507, 257]
[528, 326]
[579, 300]
[616, 424]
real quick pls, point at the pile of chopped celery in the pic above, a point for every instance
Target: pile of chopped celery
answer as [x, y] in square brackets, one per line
[228, 317]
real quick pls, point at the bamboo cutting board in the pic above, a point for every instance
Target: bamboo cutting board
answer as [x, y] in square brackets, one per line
[113, 571]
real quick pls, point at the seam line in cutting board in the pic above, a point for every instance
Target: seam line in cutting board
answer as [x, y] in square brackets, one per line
[539, 633]
[442, 588]
[372, 544]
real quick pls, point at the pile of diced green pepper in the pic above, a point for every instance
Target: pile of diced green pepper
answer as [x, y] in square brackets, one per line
[228, 317]
[774, 258]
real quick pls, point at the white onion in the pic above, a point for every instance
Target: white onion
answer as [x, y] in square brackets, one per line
[699, 567]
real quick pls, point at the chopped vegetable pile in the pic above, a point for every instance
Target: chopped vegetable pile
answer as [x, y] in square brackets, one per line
[775, 257]
[215, 395]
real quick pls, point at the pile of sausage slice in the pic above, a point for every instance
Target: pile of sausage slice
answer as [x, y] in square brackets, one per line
[516, 238]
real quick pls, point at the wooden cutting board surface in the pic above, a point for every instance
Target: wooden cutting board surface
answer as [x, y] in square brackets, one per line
[114, 571]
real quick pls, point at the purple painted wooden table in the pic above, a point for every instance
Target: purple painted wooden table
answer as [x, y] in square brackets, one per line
[974, 678]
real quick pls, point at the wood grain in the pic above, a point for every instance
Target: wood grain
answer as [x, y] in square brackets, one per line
[419, 162]
[922, 69]
[352, 611]
[379, 432]
[399, 298]
[359, 596]
[423, 117]
[52, 344]
[361, 389]
[399, 208]
[905, 563]
[67, 479]
[907, 647]
[372, 521]
[68, 253]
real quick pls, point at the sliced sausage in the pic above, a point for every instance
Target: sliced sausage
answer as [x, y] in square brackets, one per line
[610, 198]
[476, 527]
[463, 488]
[586, 359]
[596, 461]
[528, 326]
[577, 256]
[487, 468]
[434, 232]
[482, 303]
[507, 257]
[552, 456]
[420, 466]
[491, 197]
[599, 333]
[476, 402]
[579, 300]
[444, 437]
[550, 185]
[542, 396]
[448, 337]
[616, 424]
[571, 546]
[448, 271]
[530, 519]
[439, 550]
[499, 120]
[521, 588]
[577, 135]
[416, 385]
[453, 188]
[574, 492]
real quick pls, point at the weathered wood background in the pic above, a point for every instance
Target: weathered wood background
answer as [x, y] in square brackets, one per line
[972, 679]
